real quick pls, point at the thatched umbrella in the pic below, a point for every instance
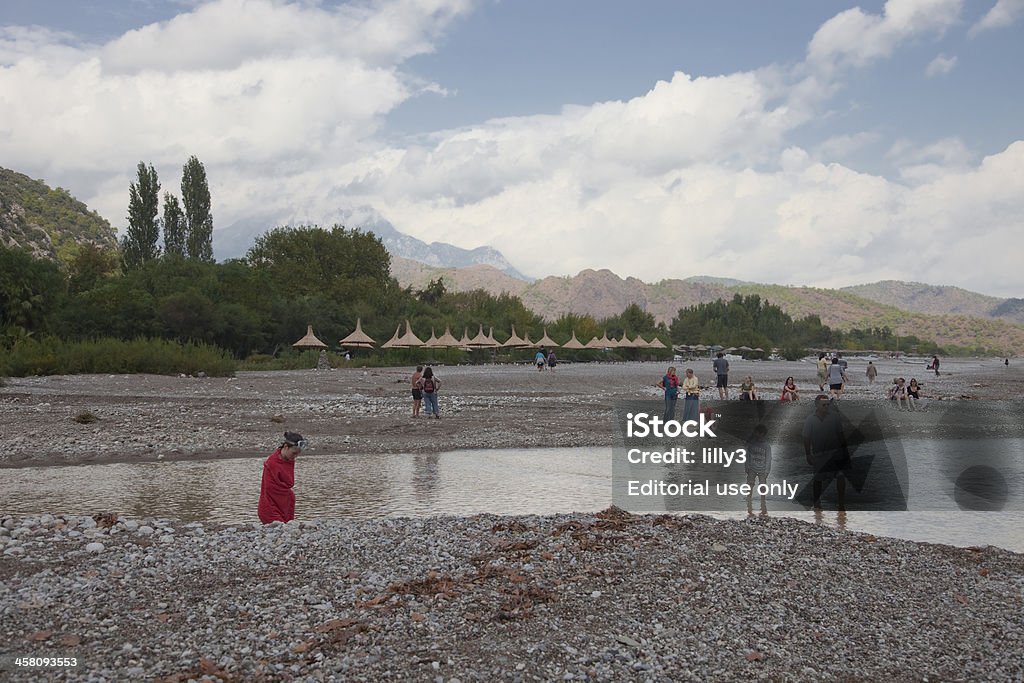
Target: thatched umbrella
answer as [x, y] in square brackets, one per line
[358, 339]
[594, 343]
[546, 340]
[573, 343]
[310, 341]
[464, 343]
[447, 339]
[432, 342]
[656, 344]
[480, 341]
[491, 341]
[641, 343]
[607, 343]
[395, 341]
[515, 341]
[409, 339]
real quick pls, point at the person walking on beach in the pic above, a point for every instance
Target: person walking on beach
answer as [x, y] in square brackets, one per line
[691, 396]
[826, 450]
[417, 393]
[871, 372]
[670, 383]
[277, 500]
[934, 365]
[836, 378]
[552, 360]
[758, 465]
[721, 368]
[822, 370]
[540, 359]
[429, 384]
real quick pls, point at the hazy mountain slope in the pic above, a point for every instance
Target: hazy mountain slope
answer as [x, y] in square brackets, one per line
[916, 296]
[47, 222]
[602, 293]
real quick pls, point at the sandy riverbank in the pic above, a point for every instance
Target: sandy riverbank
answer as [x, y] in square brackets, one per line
[146, 417]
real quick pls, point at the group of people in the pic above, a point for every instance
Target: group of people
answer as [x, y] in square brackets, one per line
[690, 388]
[903, 393]
[425, 385]
[548, 360]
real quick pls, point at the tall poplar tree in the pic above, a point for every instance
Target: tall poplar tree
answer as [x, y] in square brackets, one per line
[195, 195]
[175, 230]
[140, 243]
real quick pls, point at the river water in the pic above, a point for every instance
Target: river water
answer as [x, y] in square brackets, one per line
[519, 481]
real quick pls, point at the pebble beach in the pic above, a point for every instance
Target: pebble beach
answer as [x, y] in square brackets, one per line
[607, 596]
[604, 596]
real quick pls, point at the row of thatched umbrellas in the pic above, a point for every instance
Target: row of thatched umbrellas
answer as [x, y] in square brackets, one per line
[360, 340]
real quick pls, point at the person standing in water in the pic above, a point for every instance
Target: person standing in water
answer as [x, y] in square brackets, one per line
[277, 500]
[670, 383]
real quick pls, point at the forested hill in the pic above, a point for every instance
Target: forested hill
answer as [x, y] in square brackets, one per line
[47, 222]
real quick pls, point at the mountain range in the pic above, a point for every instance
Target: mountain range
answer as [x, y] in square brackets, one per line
[948, 315]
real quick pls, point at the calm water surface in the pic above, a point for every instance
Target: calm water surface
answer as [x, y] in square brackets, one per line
[521, 481]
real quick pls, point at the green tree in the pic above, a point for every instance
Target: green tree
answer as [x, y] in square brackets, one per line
[89, 267]
[139, 245]
[175, 229]
[195, 195]
[30, 290]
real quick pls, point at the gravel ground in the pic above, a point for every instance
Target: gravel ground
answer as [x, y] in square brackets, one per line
[149, 417]
[604, 597]
[568, 597]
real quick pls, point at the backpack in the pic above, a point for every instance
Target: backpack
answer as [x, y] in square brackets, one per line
[428, 385]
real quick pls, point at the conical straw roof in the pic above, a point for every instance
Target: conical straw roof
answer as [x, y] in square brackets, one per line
[606, 342]
[641, 343]
[395, 341]
[466, 342]
[529, 344]
[432, 342]
[594, 343]
[409, 339]
[573, 343]
[310, 341]
[491, 341]
[515, 341]
[626, 342]
[656, 344]
[358, 338]
[480, 340]
[546, 340]
[447, 339]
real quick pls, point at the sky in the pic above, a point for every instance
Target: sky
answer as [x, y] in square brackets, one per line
[788, 142]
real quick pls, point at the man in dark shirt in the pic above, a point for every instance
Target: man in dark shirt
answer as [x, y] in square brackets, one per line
[721, 367]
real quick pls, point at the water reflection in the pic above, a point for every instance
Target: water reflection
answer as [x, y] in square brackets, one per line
[522, 481]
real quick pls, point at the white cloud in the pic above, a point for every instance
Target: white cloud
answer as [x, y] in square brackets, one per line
[1003, 13]
[940, 66]
[854, 38]
[839, 147]
[698, 175]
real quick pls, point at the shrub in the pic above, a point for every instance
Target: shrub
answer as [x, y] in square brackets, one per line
[53, 356]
